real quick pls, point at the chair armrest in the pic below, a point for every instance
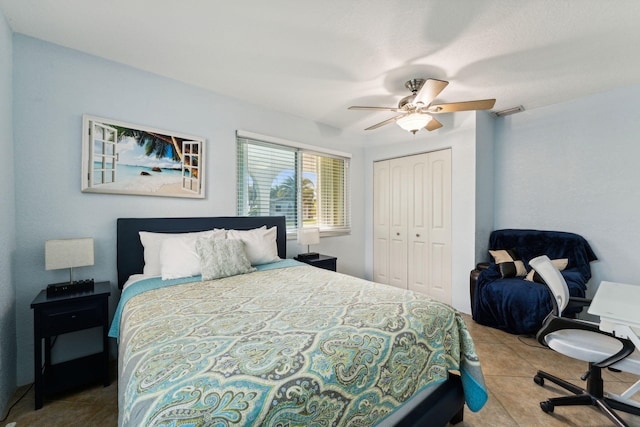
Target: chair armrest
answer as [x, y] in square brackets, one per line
[473, 278]
[578, 302]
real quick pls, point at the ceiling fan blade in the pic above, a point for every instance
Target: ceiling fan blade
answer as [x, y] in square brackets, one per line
[386, 122]
[429, 90]
[433, 125]
[356, 107]
[481, 104]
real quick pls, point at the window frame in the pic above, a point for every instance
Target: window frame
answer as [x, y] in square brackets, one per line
[299, 149]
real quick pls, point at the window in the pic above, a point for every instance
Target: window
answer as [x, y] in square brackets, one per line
[308, 185]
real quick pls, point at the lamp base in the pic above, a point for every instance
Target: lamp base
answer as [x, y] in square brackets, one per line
[308, 255]
[65, 288]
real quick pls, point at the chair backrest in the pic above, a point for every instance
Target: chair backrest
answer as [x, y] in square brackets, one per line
[554, 280]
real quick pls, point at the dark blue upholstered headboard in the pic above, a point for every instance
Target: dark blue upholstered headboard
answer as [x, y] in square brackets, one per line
[130, 256]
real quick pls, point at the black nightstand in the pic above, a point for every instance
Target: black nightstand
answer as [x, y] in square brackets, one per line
[322, 261]
[59, 315]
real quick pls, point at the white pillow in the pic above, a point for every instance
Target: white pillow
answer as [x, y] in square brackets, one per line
[259, 244]
[153, 241]
[179, 257]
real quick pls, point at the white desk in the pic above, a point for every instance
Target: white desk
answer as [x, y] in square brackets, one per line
[618, 306]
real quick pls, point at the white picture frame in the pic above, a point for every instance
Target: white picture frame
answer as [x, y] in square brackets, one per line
[124, 158]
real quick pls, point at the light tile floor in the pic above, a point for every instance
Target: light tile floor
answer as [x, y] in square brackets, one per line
[509, 363]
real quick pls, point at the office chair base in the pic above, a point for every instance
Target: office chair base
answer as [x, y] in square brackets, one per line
[592, 396]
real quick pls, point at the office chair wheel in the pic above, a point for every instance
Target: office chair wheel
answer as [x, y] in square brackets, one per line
[538, 380]
[547, 406]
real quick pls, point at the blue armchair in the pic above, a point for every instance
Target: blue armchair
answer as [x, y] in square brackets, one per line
[518, 305]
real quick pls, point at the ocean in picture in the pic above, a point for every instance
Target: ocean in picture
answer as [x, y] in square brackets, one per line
[141, 179]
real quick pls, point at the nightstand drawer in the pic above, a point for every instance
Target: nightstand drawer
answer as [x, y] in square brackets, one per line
[327, 264]
[80, 317]
[321, 261]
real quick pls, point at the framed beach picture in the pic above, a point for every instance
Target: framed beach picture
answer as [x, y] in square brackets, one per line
[123, 158]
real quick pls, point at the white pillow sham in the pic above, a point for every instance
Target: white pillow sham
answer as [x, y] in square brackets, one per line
[179, 258]
[259, 244]
[152, 243]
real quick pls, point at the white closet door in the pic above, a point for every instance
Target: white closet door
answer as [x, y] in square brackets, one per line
[399, 183]
[439, 226]
[381, 227]
[418, 224]
[412, 223]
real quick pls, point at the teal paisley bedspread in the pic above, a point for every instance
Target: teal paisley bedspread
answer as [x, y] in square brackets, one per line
[297, 346]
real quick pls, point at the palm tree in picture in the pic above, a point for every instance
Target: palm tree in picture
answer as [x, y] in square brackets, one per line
[154, 143]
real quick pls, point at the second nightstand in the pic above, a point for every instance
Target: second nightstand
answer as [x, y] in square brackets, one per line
[321, 261]
[53, 316]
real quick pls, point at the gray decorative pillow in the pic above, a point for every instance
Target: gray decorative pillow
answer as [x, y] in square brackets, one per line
[222, 258]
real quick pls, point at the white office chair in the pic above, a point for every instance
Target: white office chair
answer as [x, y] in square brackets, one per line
[584, 341]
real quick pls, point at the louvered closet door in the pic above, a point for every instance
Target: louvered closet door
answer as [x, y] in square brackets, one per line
[381, 206]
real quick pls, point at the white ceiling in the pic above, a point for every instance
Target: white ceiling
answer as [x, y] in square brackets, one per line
[314, 58]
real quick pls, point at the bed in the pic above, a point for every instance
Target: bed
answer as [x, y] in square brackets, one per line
[287, 344]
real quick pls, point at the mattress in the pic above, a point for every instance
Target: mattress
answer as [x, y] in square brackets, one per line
[289, 344]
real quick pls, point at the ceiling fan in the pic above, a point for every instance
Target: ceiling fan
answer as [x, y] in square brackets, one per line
[416, 109]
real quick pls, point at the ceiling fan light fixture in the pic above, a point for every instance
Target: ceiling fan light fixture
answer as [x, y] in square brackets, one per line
[414, 112]
[413, 122]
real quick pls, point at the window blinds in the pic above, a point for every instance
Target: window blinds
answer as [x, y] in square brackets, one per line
[306, 185]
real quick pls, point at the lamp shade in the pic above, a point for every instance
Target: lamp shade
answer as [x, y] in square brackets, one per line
[413, 122]
[68, 253]
[309, 236]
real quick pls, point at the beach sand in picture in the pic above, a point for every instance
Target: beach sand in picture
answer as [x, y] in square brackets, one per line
[154, 183]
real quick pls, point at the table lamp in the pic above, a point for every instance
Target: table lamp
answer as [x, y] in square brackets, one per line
[308, 236]
[68, 253]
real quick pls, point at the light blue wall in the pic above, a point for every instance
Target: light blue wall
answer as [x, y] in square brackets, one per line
[7, 222]
[575, 167]
[53, 87]
[484, 195]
